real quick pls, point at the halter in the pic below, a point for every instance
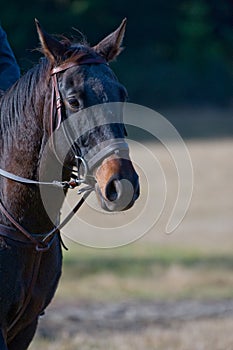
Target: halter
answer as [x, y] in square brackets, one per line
[42, 242]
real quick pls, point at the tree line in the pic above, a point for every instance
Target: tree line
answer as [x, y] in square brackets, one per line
[176, 52]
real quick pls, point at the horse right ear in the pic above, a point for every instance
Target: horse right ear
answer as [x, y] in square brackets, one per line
[50, 46]
[110, 47]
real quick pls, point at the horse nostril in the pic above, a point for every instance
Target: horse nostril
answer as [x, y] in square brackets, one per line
[113, 190]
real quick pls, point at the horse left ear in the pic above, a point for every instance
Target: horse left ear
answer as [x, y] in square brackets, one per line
[51, 47]
[110, 47]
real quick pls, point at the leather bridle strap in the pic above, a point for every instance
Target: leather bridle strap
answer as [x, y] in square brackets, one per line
[17, 225]
[26, 181]
[44, 244]
[82, 60]
[56, 93]
[76, 181]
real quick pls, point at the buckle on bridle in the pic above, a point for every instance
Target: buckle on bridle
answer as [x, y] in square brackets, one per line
[85, 170]
[44, 246]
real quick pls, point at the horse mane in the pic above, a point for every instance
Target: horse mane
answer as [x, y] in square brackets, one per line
[21, 101]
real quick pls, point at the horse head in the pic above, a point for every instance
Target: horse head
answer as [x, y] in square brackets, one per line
[91, 97]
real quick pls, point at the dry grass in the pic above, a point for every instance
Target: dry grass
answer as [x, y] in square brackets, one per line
[194, 335]
[144, 271]
[208, 225]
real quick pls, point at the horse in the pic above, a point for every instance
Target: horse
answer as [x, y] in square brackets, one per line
[70, 77]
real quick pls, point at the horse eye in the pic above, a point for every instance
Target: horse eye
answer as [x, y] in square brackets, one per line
[74, 103]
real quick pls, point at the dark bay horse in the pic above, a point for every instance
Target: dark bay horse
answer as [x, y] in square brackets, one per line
[70, 78]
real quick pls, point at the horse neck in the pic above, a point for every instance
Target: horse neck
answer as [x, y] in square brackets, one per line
[23, 140]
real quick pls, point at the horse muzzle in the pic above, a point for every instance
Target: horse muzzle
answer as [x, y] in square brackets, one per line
[117, 183]
[120, 195]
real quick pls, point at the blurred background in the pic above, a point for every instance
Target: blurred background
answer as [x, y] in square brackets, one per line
[177, 52]
[163, 291]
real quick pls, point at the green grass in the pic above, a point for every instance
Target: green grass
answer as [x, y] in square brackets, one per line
[139, 259]
[144, 271]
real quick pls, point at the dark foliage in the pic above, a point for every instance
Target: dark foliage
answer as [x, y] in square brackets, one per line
[178, 52]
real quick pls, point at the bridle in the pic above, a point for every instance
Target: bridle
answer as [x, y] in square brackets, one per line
[42, 242]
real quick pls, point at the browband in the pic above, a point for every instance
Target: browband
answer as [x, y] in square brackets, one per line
[82, 60]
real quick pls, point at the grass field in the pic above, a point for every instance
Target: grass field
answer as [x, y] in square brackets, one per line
[194, 263]
[194, 335]
[145, 271]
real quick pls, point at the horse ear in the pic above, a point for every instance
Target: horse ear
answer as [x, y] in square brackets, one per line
[110, 47]
[51, 47]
